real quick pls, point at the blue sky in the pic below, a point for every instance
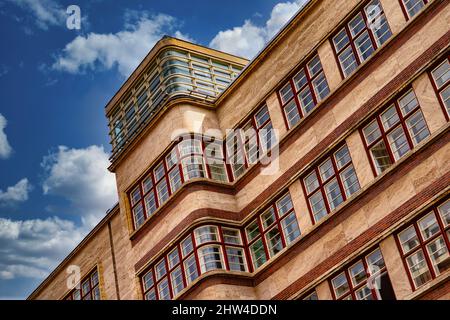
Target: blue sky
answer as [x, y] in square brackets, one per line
[54, 84]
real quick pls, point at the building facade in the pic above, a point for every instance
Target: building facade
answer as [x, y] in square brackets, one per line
[318, 170]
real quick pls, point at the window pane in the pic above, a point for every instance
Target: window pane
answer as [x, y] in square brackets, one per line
[173, 258]
[147, 280]
[160, 269]
[314, 66]
[438, 253]
[159, 172]
[150, 203]
[262, 117]
[397, 141]
[186, 246]
[357, 25]
[389, 118]
[312, 296]
[138, 214]
[236, 260]
[258, 254]
[340, 285]
[444, 212]
[326, 170]
[151, 295]
[268, 218]
[252, 230]
[408, 102]
[193, 167]
[350, 181]
[333, 193]
[163, 290]
[175, 179]
[321, 88]
[318, 206]
[286, 93]
[375, 262]
[292, 114]
[135, 196]
[445, 96]
[364, 293]
[408, 239]
[147, 184]
[413, 6]
[348, 61]
[210, 258]
[428, 226]
[190, 268]
[340, 40]
[306, 100]
[418, 268]
[190, 146]
[171, 159]
[218, 171]
[284, 205]
[380, 157]
[163, 192]
[290, 227]
[177, 280]
[441, 74]
[417, 127]
[364, 46]
[273, 240]
[300, 80]
[206, 234]
[342, 157]
[372, 132]
[357, 273]
[231, 236]
[311, 182]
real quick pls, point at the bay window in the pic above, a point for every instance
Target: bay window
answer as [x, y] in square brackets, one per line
[425, 244]
[356, 41]
[394, 132]
[330, 183]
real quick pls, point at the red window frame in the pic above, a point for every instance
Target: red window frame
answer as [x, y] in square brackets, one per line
[444, 232]
[439, 90]
[196, 247]
[401, 122]
[352, 39]
[368, 274]
[295, 92]
[264, 230]
[243, 245]
[405, 10]
[322, 183]
[150, 174]
[241, 141]
[93, 291]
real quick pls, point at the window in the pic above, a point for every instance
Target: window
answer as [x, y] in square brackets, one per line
[87, 289]
[330, 183]
[247, 144]
[425, 244]
[310, 296]
[185, 161]
[272, 231]
[207, 248]
[394, 132]
[441, 83]
[303, 91]
[364, 279]
[361, 36]
[412, 7]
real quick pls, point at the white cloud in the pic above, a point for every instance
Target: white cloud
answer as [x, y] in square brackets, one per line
[5, 148]
[17, 193]
[81, 176]
[45, 12]
[32, 248]
[124, 49]
[247, 40]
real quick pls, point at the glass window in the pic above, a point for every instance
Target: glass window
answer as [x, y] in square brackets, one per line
[231, 236]
[190, 268]
[290, 227]
[441, 74]
[273, 240]
[163, 290]
[176, 278]
[413, 7]
[138, 214]
[206, 234]
[236, 259]
[350, 181]
[268, 218]
[284, 205]
[210, 258]
[258, 253]
[340, 285]
[186, 246]
[252, 230]
[173, 258]
[444, 211]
